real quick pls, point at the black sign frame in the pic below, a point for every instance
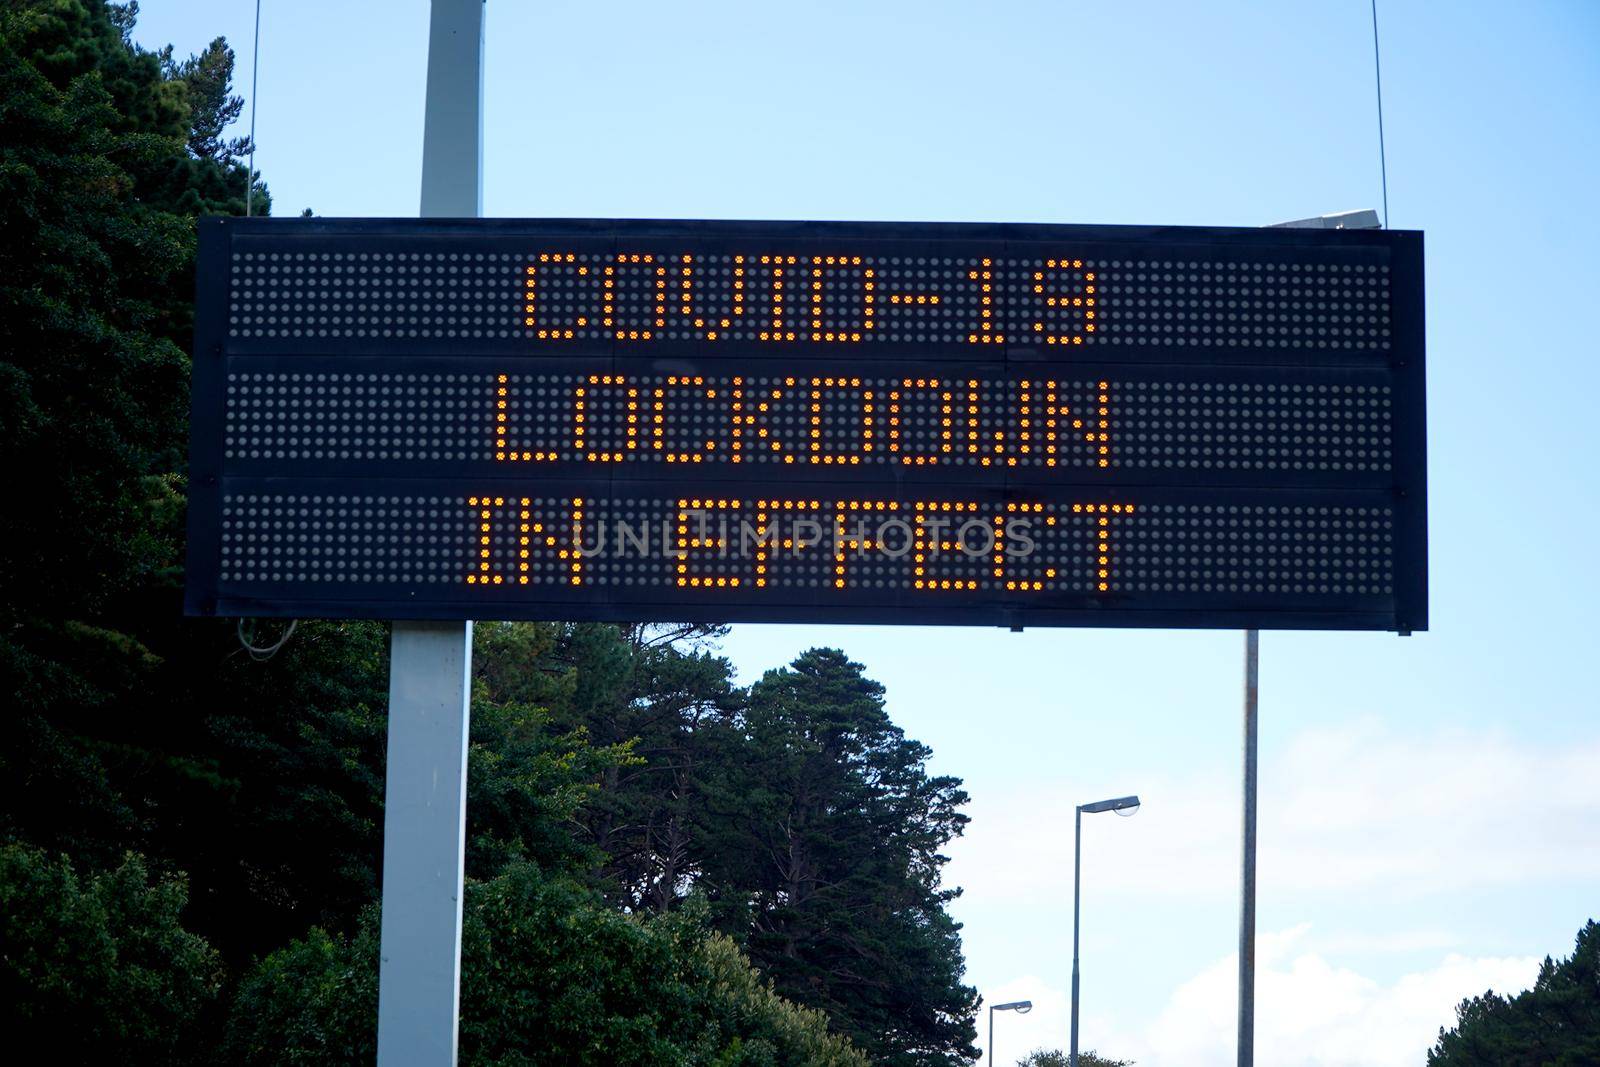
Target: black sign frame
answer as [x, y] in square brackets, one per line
[1401, 363]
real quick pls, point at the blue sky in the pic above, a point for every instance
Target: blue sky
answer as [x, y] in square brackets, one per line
[1429, 804]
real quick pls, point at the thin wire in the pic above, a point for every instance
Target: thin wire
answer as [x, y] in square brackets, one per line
[255, 70]
[1377, 70]
[266, 652]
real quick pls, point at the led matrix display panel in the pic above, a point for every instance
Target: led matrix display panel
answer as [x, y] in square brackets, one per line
[994, 424]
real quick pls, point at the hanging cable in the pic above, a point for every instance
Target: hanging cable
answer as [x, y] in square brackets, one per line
[1377, 70]
[262, 653]
[255, 69]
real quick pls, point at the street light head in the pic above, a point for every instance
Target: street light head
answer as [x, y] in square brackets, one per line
[1021, 1007]
[1120, 805]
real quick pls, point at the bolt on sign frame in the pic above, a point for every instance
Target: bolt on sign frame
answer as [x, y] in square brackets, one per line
[809, 422]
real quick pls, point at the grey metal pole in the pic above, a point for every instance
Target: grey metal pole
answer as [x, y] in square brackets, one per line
[424, 844]
[452, 127]
[255, 79]
[1247, 872]
[991, 1035]
[430, 663]
[1077, 872]
[1377, 74]
[1363, 219]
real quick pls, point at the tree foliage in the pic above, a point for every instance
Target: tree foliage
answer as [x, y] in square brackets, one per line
[799, 811]
[551, 974]
[102, 964]
[1056, 1058]
[129, 729]
[651, 689]
[1554, 1024]
[823, 833]
[98, 195]
[208, 79]
[94, 388]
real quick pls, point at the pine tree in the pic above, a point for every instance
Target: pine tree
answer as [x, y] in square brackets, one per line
[798, 810]
[1556, 1022]
[120, 714]
[208, 77]
[822, 833]
[655, 689]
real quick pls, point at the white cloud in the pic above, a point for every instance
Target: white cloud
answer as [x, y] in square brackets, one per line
[1310, 1012]
[1356, 808]
[1351, 941]
[1363, 813]
[1313, 1013]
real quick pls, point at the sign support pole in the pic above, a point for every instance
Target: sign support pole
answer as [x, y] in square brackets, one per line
[1247, 874]
[1365, 219]
[430, 663]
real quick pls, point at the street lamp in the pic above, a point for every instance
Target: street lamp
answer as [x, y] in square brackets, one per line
[1122, 806]
[1021, 1007]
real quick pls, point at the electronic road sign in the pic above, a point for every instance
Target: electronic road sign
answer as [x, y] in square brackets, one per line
[809, 422]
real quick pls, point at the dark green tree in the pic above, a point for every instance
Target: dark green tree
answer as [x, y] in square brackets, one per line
[1554, 1024]
[654, 688]
[1056, 1058]
[550, 975]
[802, 813]
[210, 177]
[93, 387]
[264, 779]
[98, 195]
[99, 969]
[63, 40]
[821, 833]
[123, 731]
[208, 79]
[530, 782]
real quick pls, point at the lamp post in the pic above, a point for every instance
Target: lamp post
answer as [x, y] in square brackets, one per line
[1122, 806]
[1021, 1007]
